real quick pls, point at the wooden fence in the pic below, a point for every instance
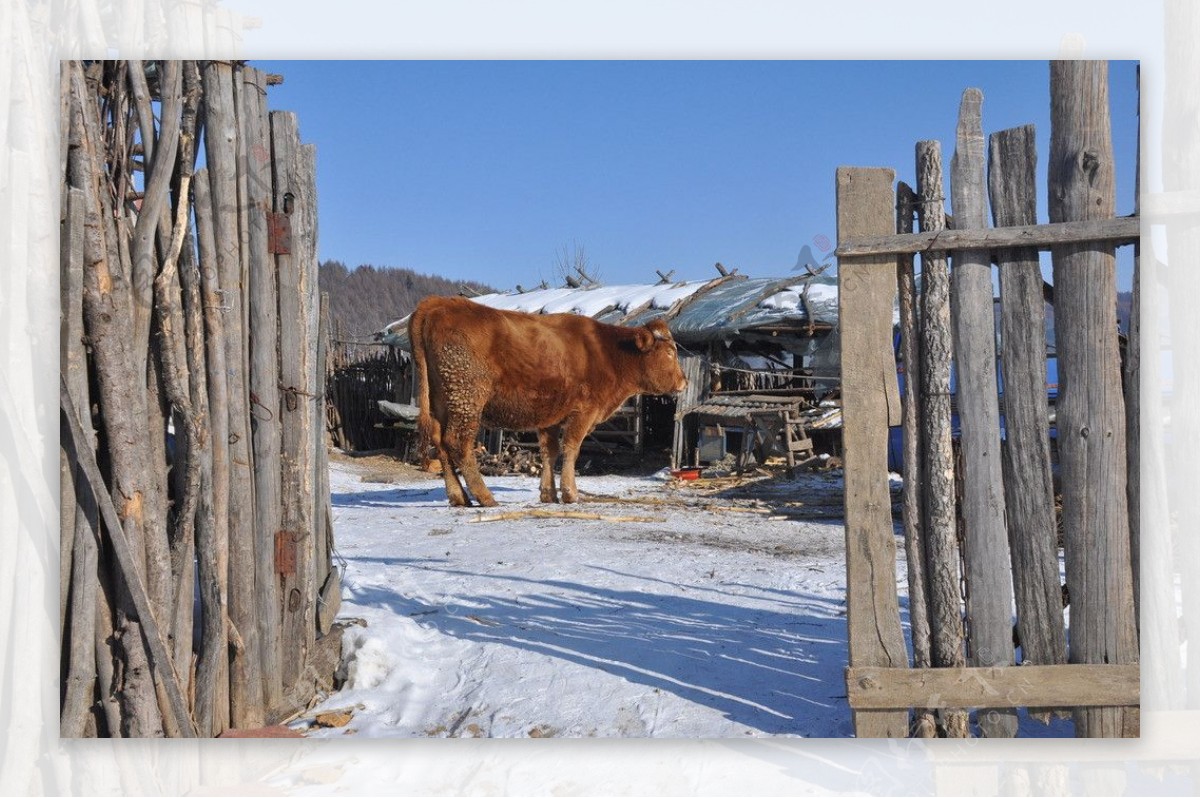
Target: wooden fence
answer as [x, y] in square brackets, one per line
[357, 376]
[976, 551]
[197, 589]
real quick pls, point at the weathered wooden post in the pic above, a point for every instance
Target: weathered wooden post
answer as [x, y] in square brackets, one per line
[212, 668]
[941, 553]
[924, 722]
[295, 201]
[989, 571]
[1028, 481]
[221, 134]
[870, 404]
[1091, 412]
[79, 516]
[264, 376]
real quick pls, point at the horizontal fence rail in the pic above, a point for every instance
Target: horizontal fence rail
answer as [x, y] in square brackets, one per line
[1122, 230]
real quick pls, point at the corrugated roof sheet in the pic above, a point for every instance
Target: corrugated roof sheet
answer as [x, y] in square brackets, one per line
[711, 310]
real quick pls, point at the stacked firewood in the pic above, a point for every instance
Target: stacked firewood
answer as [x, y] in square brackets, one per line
[512, 460]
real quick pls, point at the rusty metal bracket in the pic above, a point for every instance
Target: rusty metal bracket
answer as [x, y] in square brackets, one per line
[279, 233]
[285, 553]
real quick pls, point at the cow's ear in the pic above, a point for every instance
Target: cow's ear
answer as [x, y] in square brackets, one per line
[643, 339]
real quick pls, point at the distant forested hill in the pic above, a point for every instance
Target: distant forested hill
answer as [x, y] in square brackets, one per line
[364, 300]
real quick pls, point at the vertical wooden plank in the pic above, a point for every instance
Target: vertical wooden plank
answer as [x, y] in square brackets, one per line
[294, 197]
[988, 567]
[1133, 395]
[942, 555]
[924, 722]
[1028, 480]
[330, 596]
[72, 359]
[1091, 412]
[246, 710]
[306, 250]
[866, 288]
[694, 369]
[264, 376]
[79, 516]
[212, 668]
[182, 321]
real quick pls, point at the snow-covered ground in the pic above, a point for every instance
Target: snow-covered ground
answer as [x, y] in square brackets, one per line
[670, 610]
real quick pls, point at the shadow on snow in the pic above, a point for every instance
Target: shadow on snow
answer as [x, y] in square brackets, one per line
[768, 668]
[434, 495]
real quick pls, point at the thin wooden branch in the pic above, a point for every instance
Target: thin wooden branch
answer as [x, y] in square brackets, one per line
[81, 674]
[160, 659]
[157, 199]
[170, 319]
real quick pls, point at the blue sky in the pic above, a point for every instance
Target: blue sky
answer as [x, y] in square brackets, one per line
[487, 170]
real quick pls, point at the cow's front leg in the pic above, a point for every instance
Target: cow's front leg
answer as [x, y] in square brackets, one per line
[574, 431]
[548, 446]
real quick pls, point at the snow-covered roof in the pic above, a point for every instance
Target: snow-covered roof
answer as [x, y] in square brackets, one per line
[697, 310]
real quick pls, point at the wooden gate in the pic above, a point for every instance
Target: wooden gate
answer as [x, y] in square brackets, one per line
[198, 591]
[980, 529]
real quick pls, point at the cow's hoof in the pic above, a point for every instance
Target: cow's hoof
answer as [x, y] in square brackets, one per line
[569, 498]
[549, 498]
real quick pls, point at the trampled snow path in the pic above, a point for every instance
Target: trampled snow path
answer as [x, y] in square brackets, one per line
[677, 616]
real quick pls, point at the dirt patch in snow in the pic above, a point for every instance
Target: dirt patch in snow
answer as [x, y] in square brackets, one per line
[381, 467]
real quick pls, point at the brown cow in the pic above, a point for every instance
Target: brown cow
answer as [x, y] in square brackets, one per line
[557, 373]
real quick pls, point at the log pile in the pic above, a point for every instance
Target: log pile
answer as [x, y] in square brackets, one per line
[510, 461]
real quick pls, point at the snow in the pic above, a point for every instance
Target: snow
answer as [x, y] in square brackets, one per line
[678, 614]
[789, 298]
[594, 300]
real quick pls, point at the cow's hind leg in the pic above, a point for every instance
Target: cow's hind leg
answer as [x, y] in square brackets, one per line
[548, 446]
[454, 488]
[461, 443]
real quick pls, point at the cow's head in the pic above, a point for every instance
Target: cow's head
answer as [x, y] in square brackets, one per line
[661, 372]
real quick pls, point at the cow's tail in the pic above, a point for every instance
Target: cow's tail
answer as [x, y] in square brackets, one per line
[425, 431]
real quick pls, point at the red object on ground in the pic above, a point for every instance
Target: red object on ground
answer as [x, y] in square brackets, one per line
[264, 732]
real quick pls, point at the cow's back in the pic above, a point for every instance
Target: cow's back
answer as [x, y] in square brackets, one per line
[522, 371]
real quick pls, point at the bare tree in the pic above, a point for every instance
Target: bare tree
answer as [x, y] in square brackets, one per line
[572, 265]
